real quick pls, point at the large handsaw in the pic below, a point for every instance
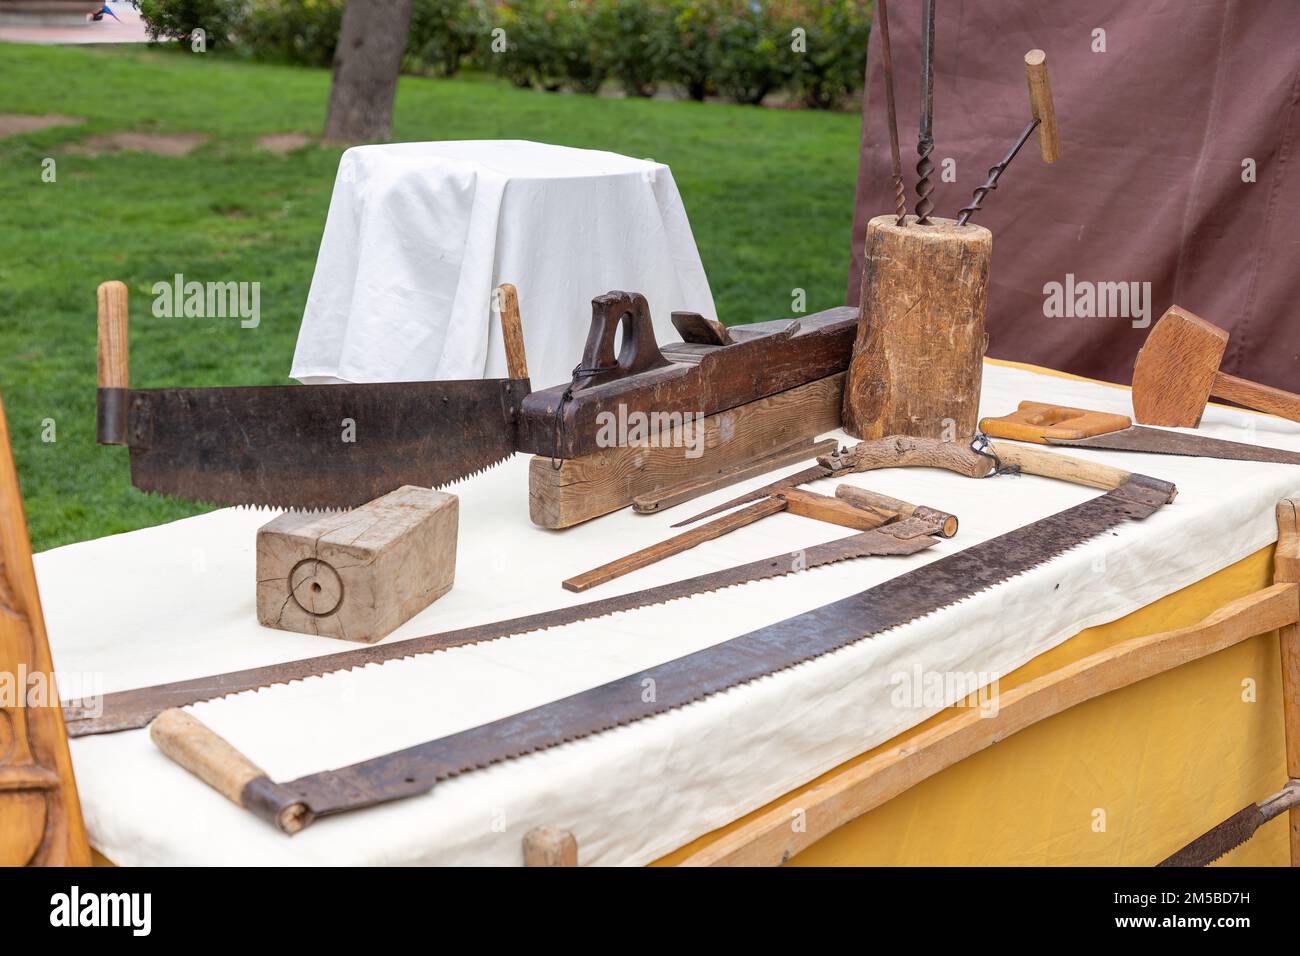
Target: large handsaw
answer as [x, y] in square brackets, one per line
[300, 446]
[1047, 424]
[294, 804]
[339, 446]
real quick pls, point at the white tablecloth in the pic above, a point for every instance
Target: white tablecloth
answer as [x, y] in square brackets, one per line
[419, 234]
[177, 601]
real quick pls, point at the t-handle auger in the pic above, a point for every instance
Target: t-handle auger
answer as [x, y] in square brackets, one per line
[1044, 120]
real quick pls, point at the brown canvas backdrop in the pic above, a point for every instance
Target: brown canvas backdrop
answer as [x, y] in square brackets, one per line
[1149, 186]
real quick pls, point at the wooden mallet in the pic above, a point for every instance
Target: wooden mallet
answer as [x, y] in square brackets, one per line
[1177, 372]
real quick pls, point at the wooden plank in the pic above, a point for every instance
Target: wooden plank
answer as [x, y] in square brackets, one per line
[40, 815]
[675, 545]
[357, 575]
[769, 839]
[1286, 570]
[566, 492]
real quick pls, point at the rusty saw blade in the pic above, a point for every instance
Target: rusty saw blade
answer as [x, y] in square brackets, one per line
[132, 709]
[1237, 829]
[1157, 441]
[316, 446]
[729, 664]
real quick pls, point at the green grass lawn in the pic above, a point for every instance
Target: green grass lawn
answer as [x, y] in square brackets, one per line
[769, 194]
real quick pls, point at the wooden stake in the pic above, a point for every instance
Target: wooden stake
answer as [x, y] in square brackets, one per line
[550, 846]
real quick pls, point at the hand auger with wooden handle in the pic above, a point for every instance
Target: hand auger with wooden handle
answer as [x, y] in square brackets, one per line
[114, 379]
[1042, 118]
[901, 451]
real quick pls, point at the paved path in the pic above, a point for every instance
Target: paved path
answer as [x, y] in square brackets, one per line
[129, 30]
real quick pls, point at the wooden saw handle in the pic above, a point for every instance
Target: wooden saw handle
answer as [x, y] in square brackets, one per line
[840, 511]
[112, 351]
[1037, 422]
[512, 331]
[1040, 104]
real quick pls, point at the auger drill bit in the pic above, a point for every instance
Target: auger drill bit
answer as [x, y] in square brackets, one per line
[925, 141]
[1044, 120]
[887, 60]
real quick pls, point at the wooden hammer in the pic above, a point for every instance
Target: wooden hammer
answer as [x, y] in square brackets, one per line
[1177, 372]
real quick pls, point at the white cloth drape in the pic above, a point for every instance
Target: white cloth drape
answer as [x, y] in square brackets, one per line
[419, 234]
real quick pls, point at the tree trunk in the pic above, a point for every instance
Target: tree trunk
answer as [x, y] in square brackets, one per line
[366, 62]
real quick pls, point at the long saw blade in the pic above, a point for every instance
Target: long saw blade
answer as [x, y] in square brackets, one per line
[1237, 829]
[132, 709]
[318, 446]
[682, 681]
[1157, 441]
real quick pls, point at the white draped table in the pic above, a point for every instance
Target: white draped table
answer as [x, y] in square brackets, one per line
[177, 601]
[419, 234]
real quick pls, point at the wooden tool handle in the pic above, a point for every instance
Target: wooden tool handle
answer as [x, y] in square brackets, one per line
[1262, 398]
[675, 545]
[946, 523]
[512, 331]
[201, 751]
[809, 504]
[1051, 464]
[901, 451]
[1037, 422]
[1040, 103]
[112, 335]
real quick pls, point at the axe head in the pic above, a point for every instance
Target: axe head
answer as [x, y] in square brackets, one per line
[1176, 369]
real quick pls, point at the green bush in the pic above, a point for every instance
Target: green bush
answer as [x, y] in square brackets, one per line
[178, 19]
[444, 34]
[741, 49]
[692, 58]
[635, 37]
[753, 53]
[292, 31]
[834, 61]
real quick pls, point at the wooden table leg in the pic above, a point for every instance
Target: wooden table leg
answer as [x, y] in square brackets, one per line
[1286, 569]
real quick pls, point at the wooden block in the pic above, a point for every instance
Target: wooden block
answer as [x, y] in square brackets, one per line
[918, 358]
[357, 574]
[593, 485]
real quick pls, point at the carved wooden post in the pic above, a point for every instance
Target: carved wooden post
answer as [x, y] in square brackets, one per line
[40, 816]
[550, 846]
[918, 358]
[1286, 569]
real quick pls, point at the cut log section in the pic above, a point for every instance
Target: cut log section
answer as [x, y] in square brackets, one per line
[918, 358]
[357, 575]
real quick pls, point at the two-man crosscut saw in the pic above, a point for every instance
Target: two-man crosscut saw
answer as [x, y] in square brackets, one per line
[769, 650]
[339, 446]
[133, 709]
